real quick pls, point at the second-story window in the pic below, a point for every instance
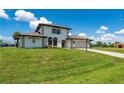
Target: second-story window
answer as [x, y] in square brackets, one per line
[56, 31]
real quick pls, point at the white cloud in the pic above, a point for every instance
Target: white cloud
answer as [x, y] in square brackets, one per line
[3, 14]
[22, 15]
[69, 34]
[120, 32]
[109, 38]
[102, 29]
[6, 39]
[34, 24]
[91, 37]
[82, 34]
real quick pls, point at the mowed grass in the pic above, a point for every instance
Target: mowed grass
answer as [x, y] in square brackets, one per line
[119, 50]
[59, 66]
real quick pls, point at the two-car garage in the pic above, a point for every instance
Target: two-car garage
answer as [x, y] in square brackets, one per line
[77, 42]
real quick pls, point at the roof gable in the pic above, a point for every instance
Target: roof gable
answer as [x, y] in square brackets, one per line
[51, 25]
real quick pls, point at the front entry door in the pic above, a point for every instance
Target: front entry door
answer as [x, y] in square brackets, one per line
[63, 43]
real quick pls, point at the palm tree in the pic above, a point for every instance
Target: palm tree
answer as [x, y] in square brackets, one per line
[16, 36]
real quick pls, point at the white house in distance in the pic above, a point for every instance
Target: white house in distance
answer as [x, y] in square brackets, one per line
[49, 35]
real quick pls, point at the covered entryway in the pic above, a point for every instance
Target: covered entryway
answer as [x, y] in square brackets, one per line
[63, 43]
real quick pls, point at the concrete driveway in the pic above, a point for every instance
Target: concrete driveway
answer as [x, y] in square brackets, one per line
[115, 54]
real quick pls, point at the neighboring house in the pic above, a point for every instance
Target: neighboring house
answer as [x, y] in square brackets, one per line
[119, 45]
[49, 35]
[1, 43]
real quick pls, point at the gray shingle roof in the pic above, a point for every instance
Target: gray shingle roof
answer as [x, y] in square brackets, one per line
[33, 34]
[78, 37]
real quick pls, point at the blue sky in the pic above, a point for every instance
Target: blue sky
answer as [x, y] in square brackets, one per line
[103, 25]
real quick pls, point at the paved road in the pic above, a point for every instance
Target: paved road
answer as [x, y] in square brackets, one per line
[120, 55]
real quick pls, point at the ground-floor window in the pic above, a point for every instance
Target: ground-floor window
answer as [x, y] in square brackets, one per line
[55, 41]
[50, 41]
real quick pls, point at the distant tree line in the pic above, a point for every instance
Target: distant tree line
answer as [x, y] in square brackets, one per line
[6, 44]
[16, 36]
[103, 44]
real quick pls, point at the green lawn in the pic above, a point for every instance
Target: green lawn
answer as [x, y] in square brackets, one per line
[119, 50]
[58, 66]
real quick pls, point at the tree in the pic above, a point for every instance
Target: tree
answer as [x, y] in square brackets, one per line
[104, 44]
[16, 36]
[116, 42]
[99, 43]
[6, 44]
[109, 43]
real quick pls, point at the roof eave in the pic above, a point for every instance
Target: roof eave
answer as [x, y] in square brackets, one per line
[80, 39]
[32, 35]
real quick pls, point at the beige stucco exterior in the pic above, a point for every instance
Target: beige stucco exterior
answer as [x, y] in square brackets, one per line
[27, 42]
[47, 31]
[39, 38]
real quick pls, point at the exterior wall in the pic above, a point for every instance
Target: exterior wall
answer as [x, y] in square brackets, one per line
[47, 31]
[44, 42]
[81, 43]
[41, 30]
[68, 43]
[20, 42]
[28, 42]
[77, 44]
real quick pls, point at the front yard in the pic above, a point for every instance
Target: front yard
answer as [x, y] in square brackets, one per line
[58, 66]
[119, 50]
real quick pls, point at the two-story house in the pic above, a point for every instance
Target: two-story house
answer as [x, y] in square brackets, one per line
[49, 35]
